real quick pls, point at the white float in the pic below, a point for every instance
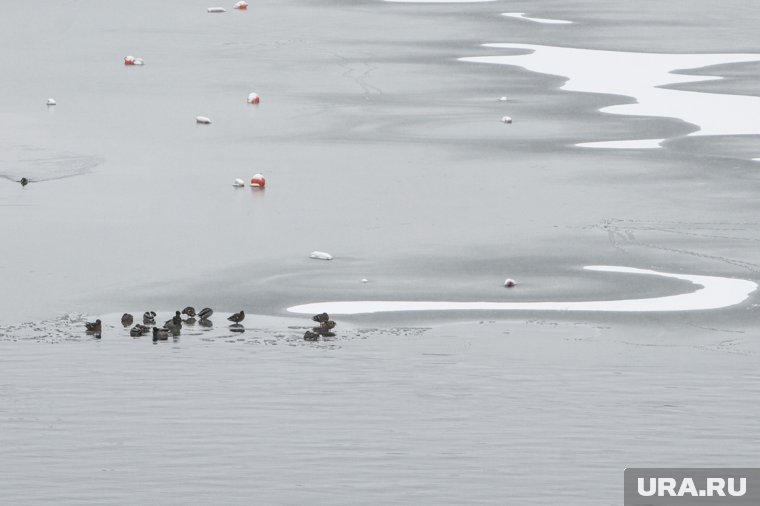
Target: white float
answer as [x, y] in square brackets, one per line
[238, 183]
[503, 99]
[216, 9]
[320, 255]
[51, 101]
[203, 120]
[506, 119]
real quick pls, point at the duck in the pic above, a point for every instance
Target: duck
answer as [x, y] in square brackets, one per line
[326, 333]
[176, 320]
[142, 329]
[320, 317]
[189, 321]
[24, 181]
[160, 334]
[93, 326]
[325, 326]
[205, 313]
[237, 317]
[136, 331]
[127, 319]
[149, 318]
[310, 336]
[189, 311]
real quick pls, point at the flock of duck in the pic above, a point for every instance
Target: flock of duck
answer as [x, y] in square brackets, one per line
[174, 325]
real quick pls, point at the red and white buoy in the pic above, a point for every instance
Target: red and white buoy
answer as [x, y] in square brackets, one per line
[509, 283]
[258, 181]
[131, 60]
[253, 98]
[241, 5]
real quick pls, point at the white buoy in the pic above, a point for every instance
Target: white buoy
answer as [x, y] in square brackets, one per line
[320, 255]
[51, 101]
[503, 99]
[203, 120]
[365, 280]
[238, 183]
[509, 282]
[506, 119]
[253, 98]
[216, 9]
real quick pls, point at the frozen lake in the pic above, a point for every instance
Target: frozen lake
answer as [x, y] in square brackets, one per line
[380, 138]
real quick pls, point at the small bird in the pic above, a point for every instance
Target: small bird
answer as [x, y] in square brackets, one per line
[237, 317]
[93, 326]
[127, 319]
[136, 331]
[24, 181]
[160, 334]
[327, 325]
[176, 320]
[320, 317]
[149, 318]
[205, 313]
[310, 336]
[143, 329]
[189, 311]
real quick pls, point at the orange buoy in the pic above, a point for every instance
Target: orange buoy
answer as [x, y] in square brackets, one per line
[258, 181]
[253, 98]
[241, 5]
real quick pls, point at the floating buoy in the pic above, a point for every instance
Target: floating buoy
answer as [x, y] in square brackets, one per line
[216, 9]
[241, 5]
[506, 119]
[258, 181]
[503, 99]
[131, 60]
[50, 101]
[320, 255]
[238, 183]
[253, 98]
[509, 282]
[203, 120]
[365, 280]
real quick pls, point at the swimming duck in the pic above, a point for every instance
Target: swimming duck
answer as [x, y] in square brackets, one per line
[176, 320]
[93, 326]
[160, 334]
[237, 317]
[24, 181]
[205, 313]
[310, 336]
[143, 329]
[149, 318]
[127, 319]
[189, 311]
[325, 326]
[320, 317]
[136, 331]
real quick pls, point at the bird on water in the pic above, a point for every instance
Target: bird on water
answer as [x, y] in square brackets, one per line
[127, 319]
[93, 326]
[321, 318]
[205, 313]
[237, 317]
